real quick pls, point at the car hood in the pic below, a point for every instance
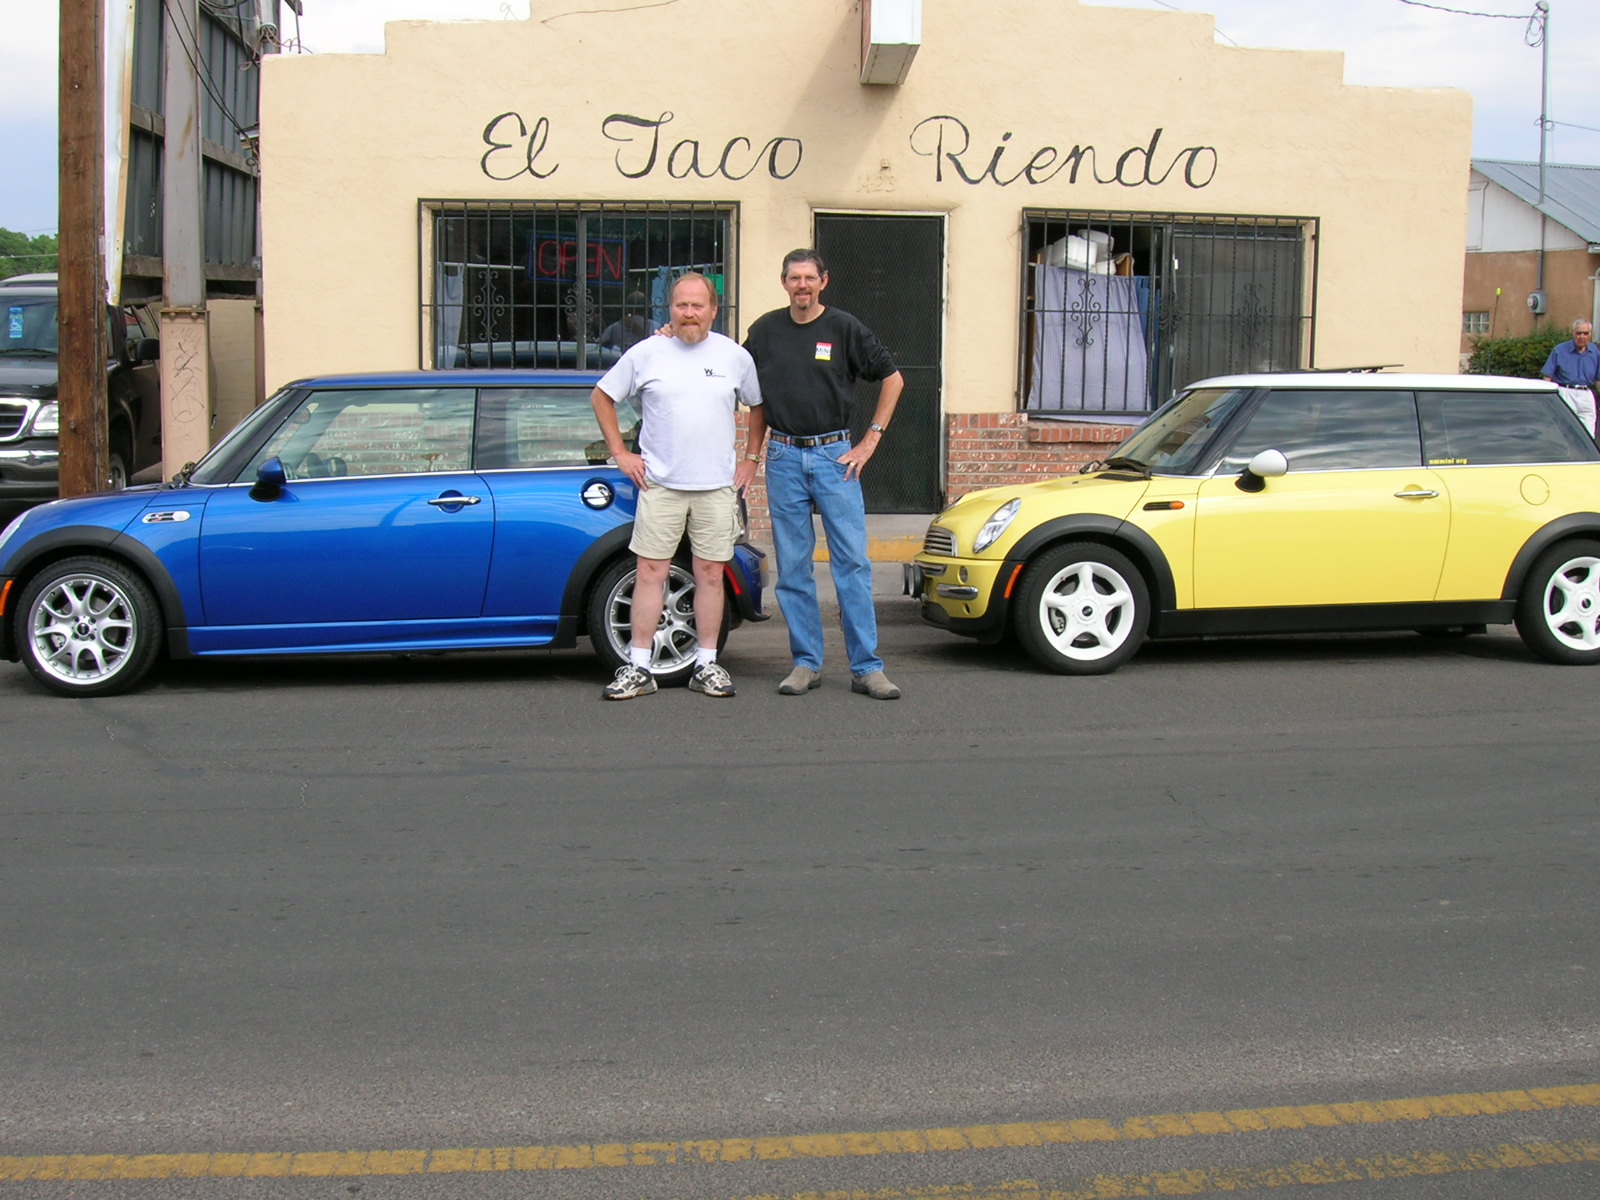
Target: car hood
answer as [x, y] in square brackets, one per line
[1108, 494]
[33, 378]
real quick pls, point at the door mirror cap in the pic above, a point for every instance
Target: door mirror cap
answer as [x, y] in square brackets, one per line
[1268, 464]
[271, 479]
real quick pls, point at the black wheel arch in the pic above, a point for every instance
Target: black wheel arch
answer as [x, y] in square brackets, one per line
[1573, 525]
[1112, 532]
[72, 540]
[610, 546]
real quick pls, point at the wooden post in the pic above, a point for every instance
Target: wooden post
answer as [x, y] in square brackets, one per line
[185, 320]
[85, 457]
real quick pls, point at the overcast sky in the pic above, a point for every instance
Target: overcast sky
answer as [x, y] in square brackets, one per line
[1385, 42]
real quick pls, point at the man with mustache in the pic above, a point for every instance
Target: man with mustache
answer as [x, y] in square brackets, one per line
[689, 387]
[808, 357]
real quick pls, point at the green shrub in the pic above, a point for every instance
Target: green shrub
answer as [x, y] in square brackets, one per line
[1521, 357]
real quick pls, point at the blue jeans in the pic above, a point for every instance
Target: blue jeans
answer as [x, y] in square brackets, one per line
[795, 479]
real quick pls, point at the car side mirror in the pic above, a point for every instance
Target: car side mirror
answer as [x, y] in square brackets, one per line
[146, 350]
[271, 479]
[1268, 464]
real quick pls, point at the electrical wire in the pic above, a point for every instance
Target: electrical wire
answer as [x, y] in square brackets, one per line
[191, 51]
[1461, 12]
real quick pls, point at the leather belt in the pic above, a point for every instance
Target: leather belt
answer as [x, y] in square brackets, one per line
[805, 443]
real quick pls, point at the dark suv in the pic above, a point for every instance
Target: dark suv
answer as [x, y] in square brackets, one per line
[29, 413]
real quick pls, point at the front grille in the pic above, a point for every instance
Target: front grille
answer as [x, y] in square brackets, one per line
[13, 413]
[939, 541]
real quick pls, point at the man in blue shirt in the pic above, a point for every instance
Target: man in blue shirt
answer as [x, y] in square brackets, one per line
[1575, 363]
[1574, 367]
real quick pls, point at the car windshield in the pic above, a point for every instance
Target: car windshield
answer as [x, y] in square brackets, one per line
[1174, 439]
[30, 326]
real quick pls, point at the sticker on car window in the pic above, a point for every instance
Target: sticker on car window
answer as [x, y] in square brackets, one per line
[14, 324]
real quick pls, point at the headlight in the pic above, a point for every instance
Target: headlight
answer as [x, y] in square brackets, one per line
[47, 421]
[996, 525]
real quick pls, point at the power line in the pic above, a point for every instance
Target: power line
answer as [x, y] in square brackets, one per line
[1462, 12]
[202, 70]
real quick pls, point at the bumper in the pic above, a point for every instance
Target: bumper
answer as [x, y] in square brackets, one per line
[747, 580]
[965, 596]
[30, 473]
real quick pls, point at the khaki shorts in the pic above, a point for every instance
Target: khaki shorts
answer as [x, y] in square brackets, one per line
[710, 518]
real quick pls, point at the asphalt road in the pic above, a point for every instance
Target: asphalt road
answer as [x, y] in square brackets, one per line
[373, 912]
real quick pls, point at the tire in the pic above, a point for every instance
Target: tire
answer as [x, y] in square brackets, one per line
[1558, 610]
[121, 460]
[1082, 609]
[88, 627]
[611, 621]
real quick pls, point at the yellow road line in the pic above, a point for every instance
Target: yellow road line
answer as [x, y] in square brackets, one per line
[83, 1167]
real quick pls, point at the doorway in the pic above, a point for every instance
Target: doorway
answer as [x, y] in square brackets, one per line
[888, 271]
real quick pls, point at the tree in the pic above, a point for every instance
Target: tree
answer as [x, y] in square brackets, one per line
[24, 255]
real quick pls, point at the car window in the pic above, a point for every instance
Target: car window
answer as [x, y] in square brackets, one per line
[1174, 439]
[374, 431]
[1332, 430]
[527, 427]
[30, 325]
[1467, 428]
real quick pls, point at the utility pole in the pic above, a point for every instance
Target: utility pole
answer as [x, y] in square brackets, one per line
[85, 456]
[185, 321]
[1542, 11]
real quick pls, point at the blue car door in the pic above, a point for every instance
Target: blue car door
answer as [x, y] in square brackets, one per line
[380, 536]
[555, 495]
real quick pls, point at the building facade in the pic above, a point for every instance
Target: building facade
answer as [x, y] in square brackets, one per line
[1057, 216]
[1532, 261]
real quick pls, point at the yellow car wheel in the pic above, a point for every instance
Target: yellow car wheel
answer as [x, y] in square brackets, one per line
[1082, 609]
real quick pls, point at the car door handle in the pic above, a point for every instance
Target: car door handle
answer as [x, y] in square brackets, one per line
[1416, 494]
[447, 501]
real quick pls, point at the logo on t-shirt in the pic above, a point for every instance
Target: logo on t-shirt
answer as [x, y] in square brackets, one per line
[824, 351]
[710, 374]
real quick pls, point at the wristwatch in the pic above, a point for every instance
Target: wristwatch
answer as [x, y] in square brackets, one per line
[876, 428]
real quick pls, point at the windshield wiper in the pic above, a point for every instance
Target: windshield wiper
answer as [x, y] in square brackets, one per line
[1121, 462]
[33, 350]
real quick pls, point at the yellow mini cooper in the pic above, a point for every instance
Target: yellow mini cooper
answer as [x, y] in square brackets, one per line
[1291, 504]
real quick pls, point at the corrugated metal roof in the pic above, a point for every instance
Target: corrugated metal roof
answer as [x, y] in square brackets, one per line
[1571, 193]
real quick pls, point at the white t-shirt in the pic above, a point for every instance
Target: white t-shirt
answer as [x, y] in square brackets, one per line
[688, 395]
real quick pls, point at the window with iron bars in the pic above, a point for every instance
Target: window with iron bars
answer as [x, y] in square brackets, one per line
[1119, 310]
[563, 284]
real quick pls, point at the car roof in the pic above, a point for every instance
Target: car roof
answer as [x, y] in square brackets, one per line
[505, 377]
[37, 279]
[1375, 380]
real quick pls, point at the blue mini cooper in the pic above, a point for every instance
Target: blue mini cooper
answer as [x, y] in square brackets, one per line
[395, 513]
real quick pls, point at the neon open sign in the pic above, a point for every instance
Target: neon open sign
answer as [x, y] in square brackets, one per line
[557, 259]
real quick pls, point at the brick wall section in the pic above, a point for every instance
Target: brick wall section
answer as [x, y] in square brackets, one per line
[986, 450]
[994, 449]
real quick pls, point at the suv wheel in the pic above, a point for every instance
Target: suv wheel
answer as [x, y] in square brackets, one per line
[88, 627]
[611, 621]
[1082, 609]
[1558, 612]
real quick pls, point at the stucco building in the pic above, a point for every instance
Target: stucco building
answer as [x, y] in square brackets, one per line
[1052, 213]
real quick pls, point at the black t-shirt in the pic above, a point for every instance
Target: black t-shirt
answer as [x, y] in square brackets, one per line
[808, 372]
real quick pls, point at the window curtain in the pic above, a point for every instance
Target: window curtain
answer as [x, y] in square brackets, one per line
[1089, 351]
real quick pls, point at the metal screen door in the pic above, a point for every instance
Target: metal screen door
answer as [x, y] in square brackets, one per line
[888, 271]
